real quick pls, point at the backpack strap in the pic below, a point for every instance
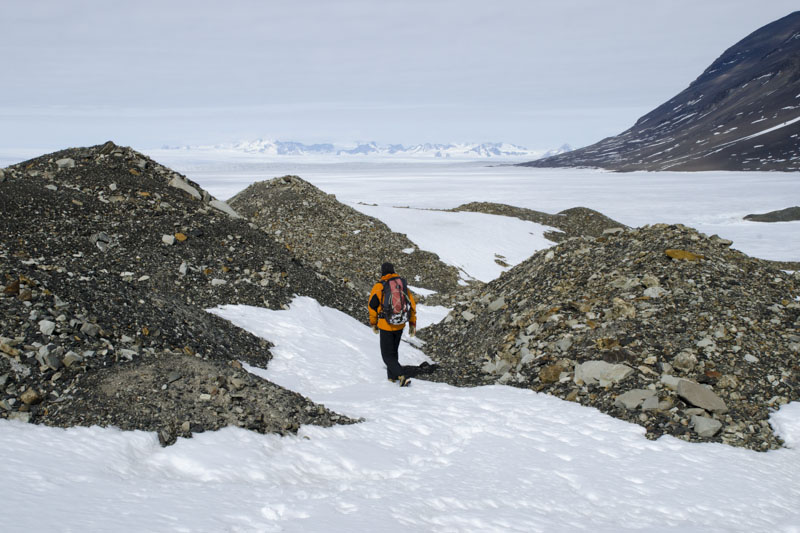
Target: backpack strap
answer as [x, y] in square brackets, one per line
[405, 291]
[385, 286]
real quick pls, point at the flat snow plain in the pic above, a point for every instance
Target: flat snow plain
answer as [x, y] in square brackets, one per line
[711, 202]
[430, 457]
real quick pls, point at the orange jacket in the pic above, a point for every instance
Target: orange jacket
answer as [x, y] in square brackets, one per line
[376, 307]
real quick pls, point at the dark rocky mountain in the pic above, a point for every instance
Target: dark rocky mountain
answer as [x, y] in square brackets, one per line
[108, 261]
[742, 113]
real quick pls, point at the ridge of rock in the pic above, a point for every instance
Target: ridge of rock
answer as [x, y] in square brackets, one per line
[573, 222]
[107, 262]
[781, 215]
[592, 319]
[338, 239]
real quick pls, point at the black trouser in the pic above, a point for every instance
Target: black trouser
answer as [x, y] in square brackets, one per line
[390, 341]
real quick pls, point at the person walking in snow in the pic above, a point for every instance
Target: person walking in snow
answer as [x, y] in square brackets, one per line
[391, 305]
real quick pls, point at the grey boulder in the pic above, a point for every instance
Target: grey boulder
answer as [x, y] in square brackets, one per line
[701, 396]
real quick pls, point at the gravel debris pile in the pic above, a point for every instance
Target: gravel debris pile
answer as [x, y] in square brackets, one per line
[338, 239]
[108, 261]
[661, 326]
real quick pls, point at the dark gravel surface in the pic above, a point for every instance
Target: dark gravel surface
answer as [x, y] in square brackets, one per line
[105, 267]
[654, 306]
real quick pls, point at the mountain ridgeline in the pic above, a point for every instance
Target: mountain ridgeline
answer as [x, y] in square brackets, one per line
[742, 113]
[425, 151]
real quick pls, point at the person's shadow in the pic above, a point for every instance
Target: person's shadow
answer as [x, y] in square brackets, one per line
[422, 369]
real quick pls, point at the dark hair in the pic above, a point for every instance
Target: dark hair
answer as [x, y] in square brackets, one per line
[387, 268]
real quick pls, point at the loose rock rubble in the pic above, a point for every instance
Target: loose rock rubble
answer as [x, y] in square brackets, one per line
[178, 394]
[337, 238]
[661, 326]
[107, 262]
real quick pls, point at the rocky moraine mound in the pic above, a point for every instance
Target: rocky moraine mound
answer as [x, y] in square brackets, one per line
[661, 326]
[573, 222]
[108, 261]
[336, 238]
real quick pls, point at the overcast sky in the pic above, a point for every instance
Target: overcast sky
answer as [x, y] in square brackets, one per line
[539, 74]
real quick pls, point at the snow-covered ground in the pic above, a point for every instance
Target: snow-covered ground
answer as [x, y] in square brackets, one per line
[431, 457]
[469, 241]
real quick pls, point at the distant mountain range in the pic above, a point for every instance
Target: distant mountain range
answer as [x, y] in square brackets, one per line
[457, 151]
[742, 113]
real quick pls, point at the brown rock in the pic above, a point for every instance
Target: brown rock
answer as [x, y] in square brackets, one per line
[622, 309]
[683, 255]
[606, 344]
[8, 349]
[12, 289]
[31, 397]
[572, 396]
[728, 382]
[550, 373]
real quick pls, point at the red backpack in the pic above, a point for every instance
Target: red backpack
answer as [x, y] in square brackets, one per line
[396, 306]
